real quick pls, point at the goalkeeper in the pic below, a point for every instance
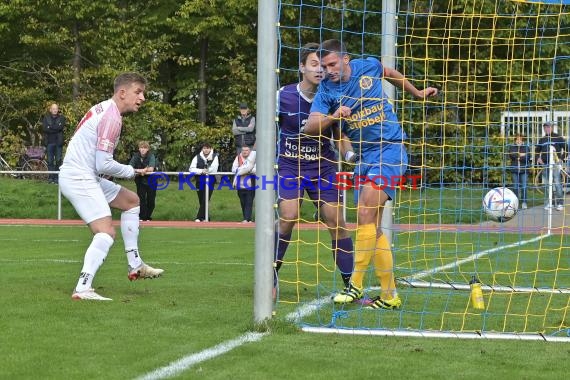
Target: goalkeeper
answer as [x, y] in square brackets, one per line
[352, 94]
[90, 155]
[306, 163]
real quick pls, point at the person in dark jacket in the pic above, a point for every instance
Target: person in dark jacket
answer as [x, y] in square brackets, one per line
[203, 166]
[53, 126]
[243, 129]
[519, 153]
[551, 145]
[145, 159]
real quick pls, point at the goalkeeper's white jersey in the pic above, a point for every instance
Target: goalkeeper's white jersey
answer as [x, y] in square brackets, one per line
[99, 129]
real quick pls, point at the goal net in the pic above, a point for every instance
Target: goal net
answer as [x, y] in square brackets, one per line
[502, 68]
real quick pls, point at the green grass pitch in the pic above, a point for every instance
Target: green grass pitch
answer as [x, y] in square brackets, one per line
[205, 298]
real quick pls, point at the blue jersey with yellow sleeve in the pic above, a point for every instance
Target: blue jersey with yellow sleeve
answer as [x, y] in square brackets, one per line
[372, 121]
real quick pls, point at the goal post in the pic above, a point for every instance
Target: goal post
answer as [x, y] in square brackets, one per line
[264, 199]
[494, 63]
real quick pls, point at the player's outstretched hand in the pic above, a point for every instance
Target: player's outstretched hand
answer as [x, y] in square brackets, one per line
[427, 92]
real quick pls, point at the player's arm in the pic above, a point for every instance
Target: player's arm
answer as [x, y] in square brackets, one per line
[346, 149]
[106, 165]
[320, 118]
[398, 80]
[318, 122]
[108, 132]
[343, 145]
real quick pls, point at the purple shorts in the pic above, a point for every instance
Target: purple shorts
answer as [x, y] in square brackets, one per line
[321, 185]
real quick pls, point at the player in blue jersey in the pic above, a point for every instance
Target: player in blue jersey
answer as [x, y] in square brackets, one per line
[308, 163]
[352, 94]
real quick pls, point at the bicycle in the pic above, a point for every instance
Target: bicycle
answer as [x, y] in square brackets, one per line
[5, 166]
[32, 160]
[539, 185]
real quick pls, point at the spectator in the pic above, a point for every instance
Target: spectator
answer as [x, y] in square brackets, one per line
[53, 126]
[203, 166]
[244, 181]
[145, 159]
[244, 128]
[519, 154]
[551, 145]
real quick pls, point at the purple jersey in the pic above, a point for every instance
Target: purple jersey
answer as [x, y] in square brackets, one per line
[296, 149]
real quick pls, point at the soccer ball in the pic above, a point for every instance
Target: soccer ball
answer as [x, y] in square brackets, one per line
[500, 204]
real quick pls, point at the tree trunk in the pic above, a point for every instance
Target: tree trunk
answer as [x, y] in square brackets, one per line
[76, 62]
[203, 106]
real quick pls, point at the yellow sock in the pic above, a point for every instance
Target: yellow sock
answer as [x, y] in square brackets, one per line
[363, 251]
[384, 267]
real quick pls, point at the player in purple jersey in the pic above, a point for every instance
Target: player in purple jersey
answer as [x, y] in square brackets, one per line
[307, 163]
[352, 93]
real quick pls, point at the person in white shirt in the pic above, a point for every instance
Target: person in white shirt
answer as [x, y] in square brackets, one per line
[203, 166]
[244, 181]
[89, 156]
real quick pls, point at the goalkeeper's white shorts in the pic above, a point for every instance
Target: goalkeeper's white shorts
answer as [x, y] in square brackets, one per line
[89, 196]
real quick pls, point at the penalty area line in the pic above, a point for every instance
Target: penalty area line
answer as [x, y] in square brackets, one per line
[186, 362]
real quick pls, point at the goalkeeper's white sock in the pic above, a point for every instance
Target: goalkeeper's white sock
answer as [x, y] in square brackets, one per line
[130, 231]
[94, 258]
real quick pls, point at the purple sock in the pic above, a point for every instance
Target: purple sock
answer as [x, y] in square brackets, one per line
[343, 255]
[281, 243]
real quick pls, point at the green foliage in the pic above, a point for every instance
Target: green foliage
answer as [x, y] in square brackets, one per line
[12, 144]
[70, 52]
[200, 58]
[469, 156]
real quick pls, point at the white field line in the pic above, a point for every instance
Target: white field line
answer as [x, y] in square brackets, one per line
[307, 309]
[70, 261]
[186, 362]
[313, 306]
[88, 239]
[44, 240]
[473, 257]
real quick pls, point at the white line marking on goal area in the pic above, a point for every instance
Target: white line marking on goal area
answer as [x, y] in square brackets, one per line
[473, 257]
[186, 362]
[310, 307]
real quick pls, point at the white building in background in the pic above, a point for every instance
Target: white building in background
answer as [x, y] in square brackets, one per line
[529, 123]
